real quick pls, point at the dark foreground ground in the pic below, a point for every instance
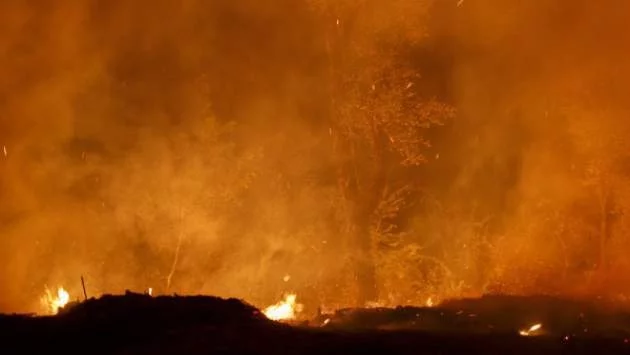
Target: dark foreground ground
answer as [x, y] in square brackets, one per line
[139, 324]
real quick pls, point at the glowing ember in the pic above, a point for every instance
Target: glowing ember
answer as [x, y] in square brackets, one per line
[284, 310]
[52, 303]
[150, 291]
[429, 302]
[533, 330]
[374, 304]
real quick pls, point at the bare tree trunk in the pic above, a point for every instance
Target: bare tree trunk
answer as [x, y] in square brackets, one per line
[180, 233]
[361, 201]
[365, 269]
[366, 199]
[604, 228]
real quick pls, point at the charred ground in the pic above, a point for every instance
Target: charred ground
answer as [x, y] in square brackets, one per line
[136, 323]
[409, 149]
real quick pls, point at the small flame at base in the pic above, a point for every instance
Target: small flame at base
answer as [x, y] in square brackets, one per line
[284, 310]
[533, 330]
[52, 303]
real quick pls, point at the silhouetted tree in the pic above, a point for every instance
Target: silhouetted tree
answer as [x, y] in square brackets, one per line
[377, 118]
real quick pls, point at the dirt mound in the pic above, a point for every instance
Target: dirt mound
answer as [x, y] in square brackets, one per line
[122, 321]
[144, 310]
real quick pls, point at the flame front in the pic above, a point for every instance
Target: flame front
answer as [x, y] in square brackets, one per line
[283, 310]
[52, 303]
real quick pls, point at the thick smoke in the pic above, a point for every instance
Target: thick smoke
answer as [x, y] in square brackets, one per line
[539, 86]
[184, 146]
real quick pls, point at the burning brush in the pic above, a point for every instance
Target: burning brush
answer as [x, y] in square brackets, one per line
[52, 302]
[284, 310]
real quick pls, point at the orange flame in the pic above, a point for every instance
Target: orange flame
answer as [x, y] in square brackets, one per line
[52, 303]
[533, 330]
[284, 310]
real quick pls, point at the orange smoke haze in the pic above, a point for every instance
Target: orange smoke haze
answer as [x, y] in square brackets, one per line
[447, 148]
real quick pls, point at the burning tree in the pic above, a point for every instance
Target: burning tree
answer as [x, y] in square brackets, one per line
[602, 174]
[377, 119]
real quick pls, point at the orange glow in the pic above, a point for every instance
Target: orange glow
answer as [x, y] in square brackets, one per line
[357, 153]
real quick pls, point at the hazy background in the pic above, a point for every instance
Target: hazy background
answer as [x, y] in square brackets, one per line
[138, 133]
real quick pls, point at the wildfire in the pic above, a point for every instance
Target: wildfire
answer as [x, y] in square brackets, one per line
[284, 310]
[53, 302]
[533, 330]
